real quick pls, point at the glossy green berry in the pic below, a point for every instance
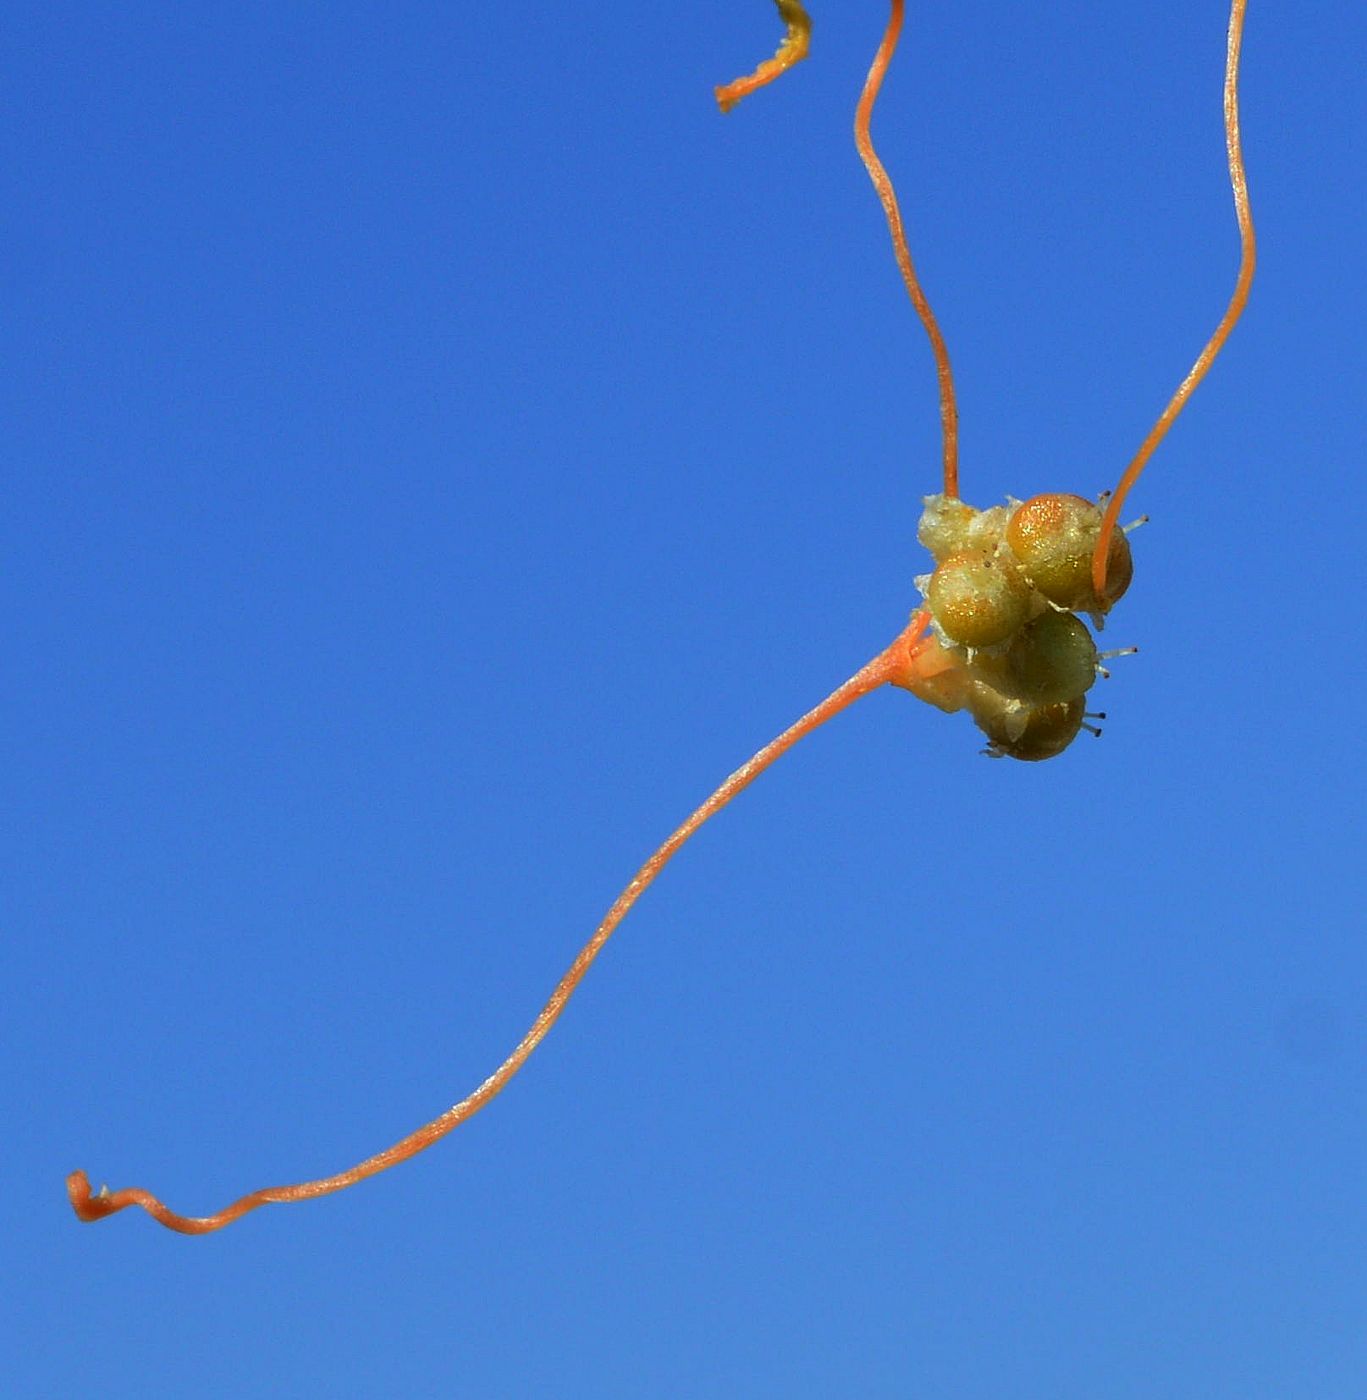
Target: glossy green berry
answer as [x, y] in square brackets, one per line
[1034, 734]
[1053, 538]
[1051, 659]
[978, 597]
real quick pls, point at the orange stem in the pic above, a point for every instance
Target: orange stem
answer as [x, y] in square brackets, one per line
[792, 50]
[949, 412]
[895, 663]
[1238, 180]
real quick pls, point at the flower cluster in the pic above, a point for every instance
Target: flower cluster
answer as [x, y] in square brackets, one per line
[1005, 600]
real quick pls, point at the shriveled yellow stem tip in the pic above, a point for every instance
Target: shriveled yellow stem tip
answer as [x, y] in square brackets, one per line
[793, 49]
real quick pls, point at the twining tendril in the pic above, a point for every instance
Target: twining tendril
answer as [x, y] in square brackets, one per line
[898, 664]
[949, 411]
[1238, 180]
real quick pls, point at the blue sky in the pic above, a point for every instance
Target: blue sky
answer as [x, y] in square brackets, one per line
[439, 447]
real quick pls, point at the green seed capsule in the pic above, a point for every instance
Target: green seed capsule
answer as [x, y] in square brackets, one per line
[1053, 537]
[1052, 659]
[978, 598]
[1042, 732]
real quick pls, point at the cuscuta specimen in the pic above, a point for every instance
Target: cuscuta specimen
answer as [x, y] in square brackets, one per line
[999, 634]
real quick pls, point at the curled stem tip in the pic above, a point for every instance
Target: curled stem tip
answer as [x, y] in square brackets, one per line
[792, 50]
[89, 1205]
[1238, 180]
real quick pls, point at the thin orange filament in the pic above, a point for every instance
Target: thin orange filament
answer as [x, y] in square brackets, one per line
[949, 412]
[1238, 180]
[896, 664]
[792, 50]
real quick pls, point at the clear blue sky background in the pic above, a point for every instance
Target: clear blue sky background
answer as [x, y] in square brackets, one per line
[438, 447]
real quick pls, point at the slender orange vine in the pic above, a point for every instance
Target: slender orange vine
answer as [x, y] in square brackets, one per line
[910, 660]
[1248, 253]
[949, 411]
